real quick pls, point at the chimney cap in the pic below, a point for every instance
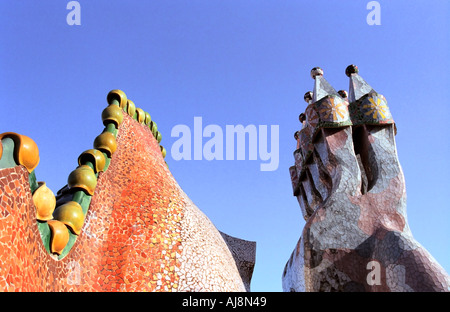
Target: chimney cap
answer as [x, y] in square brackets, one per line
[316, 71]
[351, 69]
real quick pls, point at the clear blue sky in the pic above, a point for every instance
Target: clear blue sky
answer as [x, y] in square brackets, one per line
[232, 62]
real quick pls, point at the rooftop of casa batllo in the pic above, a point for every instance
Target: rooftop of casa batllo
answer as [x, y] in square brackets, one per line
[122, 220]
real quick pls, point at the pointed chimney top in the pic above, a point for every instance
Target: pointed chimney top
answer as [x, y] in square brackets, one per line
[321, 86]
[358, 86]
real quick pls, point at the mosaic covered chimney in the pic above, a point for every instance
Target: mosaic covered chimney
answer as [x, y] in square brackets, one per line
[351, 190]
[122, 223]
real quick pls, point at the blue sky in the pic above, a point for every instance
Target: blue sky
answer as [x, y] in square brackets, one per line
[232, 62]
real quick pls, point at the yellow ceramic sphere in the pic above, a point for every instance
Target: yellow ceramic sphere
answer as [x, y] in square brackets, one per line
[60, 236]
[94, 156]
[25, 151]
[71, 214]
[130, 108]
[83, 177]
[44, 200]
[118, 95]
[106, 142]
[148, 118]
[140, 115]
[112, 114]
[158, 137]
[154, 128]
